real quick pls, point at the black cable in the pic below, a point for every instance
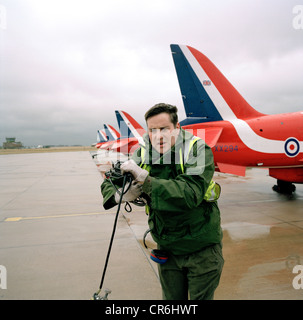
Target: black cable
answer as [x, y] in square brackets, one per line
[125, 178]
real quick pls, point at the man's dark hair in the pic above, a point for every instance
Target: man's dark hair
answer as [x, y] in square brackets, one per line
[163, 107]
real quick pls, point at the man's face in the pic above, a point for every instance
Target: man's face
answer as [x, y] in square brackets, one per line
[161, 131]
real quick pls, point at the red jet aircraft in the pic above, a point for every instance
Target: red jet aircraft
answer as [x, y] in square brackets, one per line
[240, 136]
[101, 139]
[131, 133]
[112, 135]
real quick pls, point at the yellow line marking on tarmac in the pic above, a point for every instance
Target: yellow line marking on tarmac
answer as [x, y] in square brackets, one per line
[15, 219]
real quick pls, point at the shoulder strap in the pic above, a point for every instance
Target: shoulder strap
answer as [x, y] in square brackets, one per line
[143, 165]
[186, 151]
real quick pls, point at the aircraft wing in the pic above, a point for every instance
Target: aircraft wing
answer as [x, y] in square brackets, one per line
[120, 144]
[125, 145]
[231, 168]
[99, 144]
[209, 135]
[107, 145]
[212, 135]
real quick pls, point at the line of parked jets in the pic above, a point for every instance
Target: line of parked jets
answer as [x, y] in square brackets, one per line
[240, 136]
[126, 140]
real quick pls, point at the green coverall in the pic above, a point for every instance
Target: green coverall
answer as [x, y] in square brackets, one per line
[181, 222]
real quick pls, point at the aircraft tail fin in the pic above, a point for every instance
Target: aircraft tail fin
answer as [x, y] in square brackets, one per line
[101, 136]
[111, 132]
[128, 126]
[207, 95]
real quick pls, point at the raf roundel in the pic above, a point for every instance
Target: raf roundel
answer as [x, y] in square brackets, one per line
[292, 147]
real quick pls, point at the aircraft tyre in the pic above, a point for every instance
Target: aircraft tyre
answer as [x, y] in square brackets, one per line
[284, 187]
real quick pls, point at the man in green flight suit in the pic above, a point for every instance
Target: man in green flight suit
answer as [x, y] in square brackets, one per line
[173, 171]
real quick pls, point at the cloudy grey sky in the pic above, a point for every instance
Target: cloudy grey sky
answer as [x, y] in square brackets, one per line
[66, 65]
